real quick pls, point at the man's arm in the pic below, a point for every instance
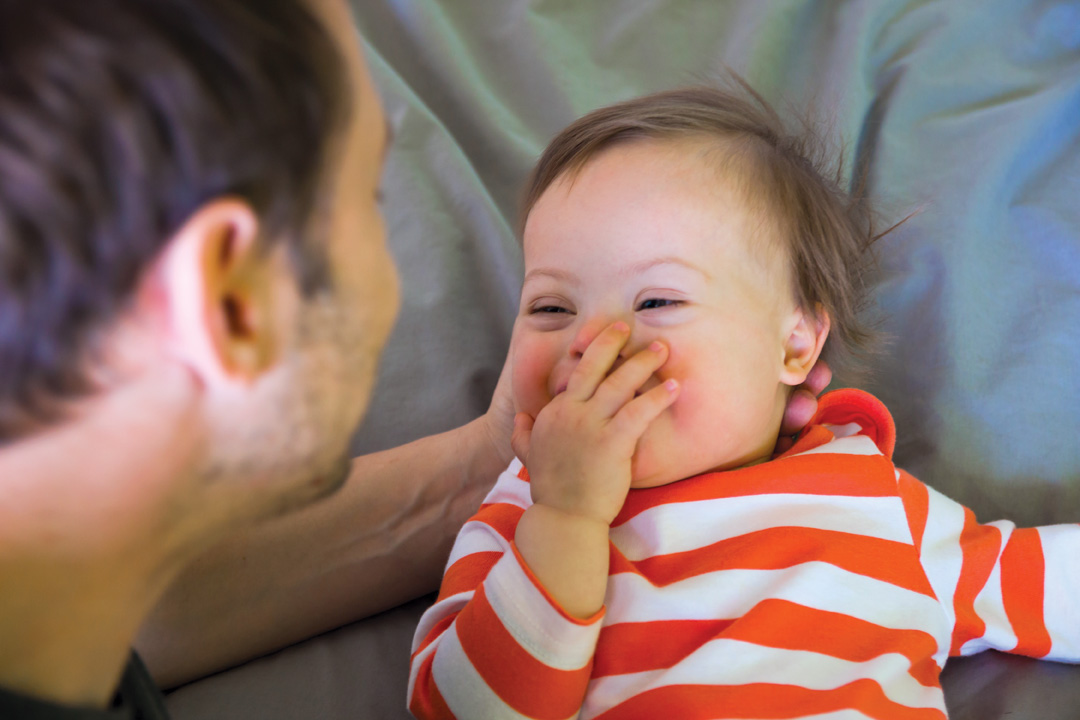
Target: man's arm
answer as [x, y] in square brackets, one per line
[380, 541]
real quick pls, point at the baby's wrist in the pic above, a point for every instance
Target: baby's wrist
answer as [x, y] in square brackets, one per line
[568, 514]
[568, 554]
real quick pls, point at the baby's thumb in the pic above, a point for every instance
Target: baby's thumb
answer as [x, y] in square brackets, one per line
[519, 440]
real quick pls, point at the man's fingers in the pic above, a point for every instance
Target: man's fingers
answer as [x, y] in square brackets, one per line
[803, 401]
[597, 360]
[522, 435]
[621, 385]
[636, 415]
[800, 409]
[499, 418]
[819, 378]
[784, 444]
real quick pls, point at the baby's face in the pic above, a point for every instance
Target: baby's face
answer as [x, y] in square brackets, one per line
[647, 234]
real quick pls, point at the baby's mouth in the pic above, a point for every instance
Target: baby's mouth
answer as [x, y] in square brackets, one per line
[649, 385]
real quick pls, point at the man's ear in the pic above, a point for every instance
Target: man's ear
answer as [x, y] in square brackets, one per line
[803, 344]
[222, 294]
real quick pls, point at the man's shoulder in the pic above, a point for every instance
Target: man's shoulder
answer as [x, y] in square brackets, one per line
[17, 706]
[137, 698]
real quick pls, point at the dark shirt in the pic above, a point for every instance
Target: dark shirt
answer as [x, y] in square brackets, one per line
[137, 698]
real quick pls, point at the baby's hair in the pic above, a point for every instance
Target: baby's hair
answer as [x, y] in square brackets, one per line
[828, 231]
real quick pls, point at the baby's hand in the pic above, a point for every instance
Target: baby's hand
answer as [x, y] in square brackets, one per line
[579, 447]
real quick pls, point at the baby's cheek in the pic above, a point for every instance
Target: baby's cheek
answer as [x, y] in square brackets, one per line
[679, 369]
[702, 404]
[530, 380]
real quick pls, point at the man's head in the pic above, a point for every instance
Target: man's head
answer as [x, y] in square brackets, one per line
[194, 181]
[696, 218]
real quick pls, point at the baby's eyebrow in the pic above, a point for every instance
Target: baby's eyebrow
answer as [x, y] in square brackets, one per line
[628, 271]
[553, 273]
[641, 267]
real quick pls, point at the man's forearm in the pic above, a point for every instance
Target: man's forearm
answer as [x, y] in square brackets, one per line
[380, 541]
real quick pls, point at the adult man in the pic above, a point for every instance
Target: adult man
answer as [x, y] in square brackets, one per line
[194, 289]
[190, 317]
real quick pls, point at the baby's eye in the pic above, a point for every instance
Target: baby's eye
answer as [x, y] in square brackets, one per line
[656, 303]
[548, 309]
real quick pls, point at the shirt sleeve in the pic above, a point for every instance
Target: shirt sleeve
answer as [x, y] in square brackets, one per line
[495, 644]
[1005, 588]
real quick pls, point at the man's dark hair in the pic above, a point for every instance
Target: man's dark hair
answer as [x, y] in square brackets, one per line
[119, 119]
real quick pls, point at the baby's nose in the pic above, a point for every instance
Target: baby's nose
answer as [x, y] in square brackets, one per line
[589, 332]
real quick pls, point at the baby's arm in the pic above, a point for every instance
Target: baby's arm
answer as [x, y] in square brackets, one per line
[499, 642]
[1011, 589]
[578, 451]
[493, 645]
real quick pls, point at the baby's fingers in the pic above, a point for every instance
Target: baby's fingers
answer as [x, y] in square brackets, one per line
[634, 418]
[619, 387]
[597, 360]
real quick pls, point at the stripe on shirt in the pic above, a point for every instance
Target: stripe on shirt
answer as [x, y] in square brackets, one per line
[980, 545]
[819, 474]
[764, 701]
[669, 529]
[746, 663]
[732, 593]
[641, 647]
[784, 547]
[427, 702]
[497, 657]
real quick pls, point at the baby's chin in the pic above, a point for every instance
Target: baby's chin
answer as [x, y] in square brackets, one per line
[647, 471]
[651, 481]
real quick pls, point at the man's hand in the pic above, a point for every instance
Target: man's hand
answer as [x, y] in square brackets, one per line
[802, 405]
[498, 421]
[579, 447]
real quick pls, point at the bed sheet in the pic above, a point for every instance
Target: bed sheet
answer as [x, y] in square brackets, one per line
[968, 115]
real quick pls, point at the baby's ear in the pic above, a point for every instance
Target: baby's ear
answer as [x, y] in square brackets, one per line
[803, 342]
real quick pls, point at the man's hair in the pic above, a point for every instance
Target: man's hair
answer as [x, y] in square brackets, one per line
[825, 231]
[119, 119]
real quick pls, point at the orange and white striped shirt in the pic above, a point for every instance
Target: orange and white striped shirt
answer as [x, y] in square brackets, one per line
[825, 583]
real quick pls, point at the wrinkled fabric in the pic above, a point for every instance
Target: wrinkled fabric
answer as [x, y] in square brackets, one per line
[967, 112]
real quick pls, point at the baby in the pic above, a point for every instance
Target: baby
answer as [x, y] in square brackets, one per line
[652, 556]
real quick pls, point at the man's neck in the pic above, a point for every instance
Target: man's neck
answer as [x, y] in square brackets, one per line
[90, 536]
[66, 630]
